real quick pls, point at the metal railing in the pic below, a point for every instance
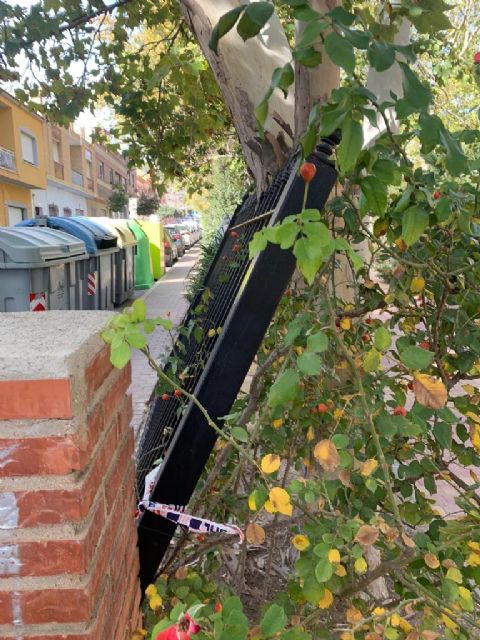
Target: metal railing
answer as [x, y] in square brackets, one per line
[58, 170]
[7, 159]
[77, 178]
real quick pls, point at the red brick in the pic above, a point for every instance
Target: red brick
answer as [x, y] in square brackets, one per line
[5, 607]
[49, 507]
[117, 392]
[56, 605]
[119, 470]
[98, 370]
[39, 456]
[27, 399]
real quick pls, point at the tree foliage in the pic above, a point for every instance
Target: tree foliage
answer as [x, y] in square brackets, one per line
[118, 199]
[147, 205]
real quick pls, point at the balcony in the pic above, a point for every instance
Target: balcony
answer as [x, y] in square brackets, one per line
[77, 178]
[90, 184]
[7, 159]
[58, 170]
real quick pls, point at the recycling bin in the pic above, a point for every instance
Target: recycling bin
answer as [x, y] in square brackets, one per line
[143, 262]
[38, 269]
[97, 274]
[154, 231]
[124, 259]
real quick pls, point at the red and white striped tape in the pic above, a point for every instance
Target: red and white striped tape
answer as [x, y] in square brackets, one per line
[38, 302]
[92, 283]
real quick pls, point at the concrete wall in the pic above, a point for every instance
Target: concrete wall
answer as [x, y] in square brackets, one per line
[68, 556]
[60, 197]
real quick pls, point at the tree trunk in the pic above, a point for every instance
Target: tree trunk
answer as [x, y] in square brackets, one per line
[243, 72]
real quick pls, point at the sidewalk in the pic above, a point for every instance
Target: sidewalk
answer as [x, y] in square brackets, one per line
[166, 296]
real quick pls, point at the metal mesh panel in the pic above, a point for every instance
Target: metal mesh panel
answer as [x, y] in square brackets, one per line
[223, 281]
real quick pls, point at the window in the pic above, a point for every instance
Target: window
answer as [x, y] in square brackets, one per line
[29, 148]
[88, 155]
[111, 176]
[101, 170]
[67, 212]
[118, 178]
[16, 214]
[52, 210]
[89, 169]
[79, 212]
[38, 211]
[57, 151]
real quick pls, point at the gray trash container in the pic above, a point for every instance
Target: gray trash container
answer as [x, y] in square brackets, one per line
[38, 269]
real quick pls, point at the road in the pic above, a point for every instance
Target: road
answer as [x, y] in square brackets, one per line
[165, 297]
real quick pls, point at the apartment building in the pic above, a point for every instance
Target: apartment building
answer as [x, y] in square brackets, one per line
[22, 160]
[109, 169]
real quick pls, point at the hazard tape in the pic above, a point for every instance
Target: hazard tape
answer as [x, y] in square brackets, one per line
[92, 283]
[38, 302]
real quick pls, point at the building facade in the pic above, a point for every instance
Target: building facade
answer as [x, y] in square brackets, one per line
[22, 160]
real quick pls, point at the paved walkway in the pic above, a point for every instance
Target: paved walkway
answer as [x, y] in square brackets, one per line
[166, 296]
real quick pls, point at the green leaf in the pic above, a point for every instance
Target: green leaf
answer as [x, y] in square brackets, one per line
[310, 364]
[255, 17]
[136, 339]
[295, 634]
[240, 434]
[139, 311]
[273, 621]
[310, 256]
[261, 112]
[430, 127]
[287, 234]
[340, 51]
[120, 354]
[375, 194]
[382, 339]
[443, 434]
[415, 93]
[308, 56]
[341, 16]
[285, 388]
[223, 26]
[323, 570]
[317, 342]
[416, 358]
[311, 33]
[350, 146]
[283, 77]
[371, 361]
[258, 243]
[414, 223]
[381, 56]
[456, 160]
[340, 440]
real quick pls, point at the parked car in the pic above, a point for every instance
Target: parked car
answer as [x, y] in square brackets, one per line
[177, 238]
[194, 228]
[171, 253]
[186, 235]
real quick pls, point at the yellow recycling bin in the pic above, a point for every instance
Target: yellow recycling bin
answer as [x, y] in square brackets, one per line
[154, 231]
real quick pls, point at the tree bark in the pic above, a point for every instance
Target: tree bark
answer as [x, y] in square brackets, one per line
[243, 72]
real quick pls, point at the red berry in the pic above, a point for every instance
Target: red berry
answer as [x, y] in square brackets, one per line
[476, 58]
[425, 345]
[236, 247]
[165, 396]
[366, 337]
[436, 195]
[218, 607]
[322, 408]
[233, 234]
[400, 411]
[288, 292]
[410, 386]
[201, 538]
[177, 393]
[368, 321]
[308, 171]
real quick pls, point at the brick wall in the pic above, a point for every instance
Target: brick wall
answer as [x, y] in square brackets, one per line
[68, 557]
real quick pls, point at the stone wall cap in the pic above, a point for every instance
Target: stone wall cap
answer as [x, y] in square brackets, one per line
[35, 346]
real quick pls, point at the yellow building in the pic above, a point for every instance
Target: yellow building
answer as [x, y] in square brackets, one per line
[22, 160]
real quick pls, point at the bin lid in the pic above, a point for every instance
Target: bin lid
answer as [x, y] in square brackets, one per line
[94, 237]
[120, 228]
[36, 245]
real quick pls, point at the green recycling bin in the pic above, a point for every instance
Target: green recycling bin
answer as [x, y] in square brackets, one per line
[154, 231]
[143, 262]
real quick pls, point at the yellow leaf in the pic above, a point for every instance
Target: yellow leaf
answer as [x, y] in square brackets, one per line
[285, 509]
[327, 600]
[395, 620]
[360, 565]
[151, 590]
[417, 284]
[270, 463]
[155, 602]
[346, 324]
[470, 389]
[378, 611]
[277, 423]
[327, 455]
[368, 467]
[473, 545]
[211, 333]
[278, 496]
[310, 434]
[269, 507]
[255, 534]
[455, 575]
[367, 535]
[429, 391]
[353, 615]
[473, 416]
[334, 556]
[300, 542]
[340, 571]
[475, 436]
[346, 635]
[431, 561]
[337, 413]
[449, 623]
[252, 505]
